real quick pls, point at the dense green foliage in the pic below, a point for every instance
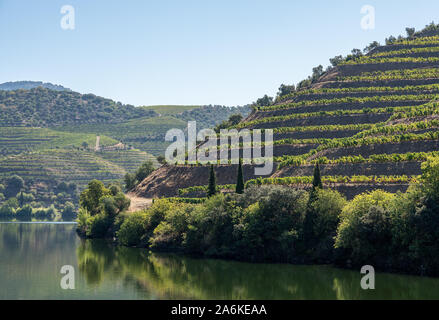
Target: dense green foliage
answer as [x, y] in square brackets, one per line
[100, 207]
[41, 107]
[20, 200]
[280, 224]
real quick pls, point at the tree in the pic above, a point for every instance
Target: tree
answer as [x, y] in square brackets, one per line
[264, 101]
[234, 119]
[122, 203]
[390, 40]
[410, 32]
[356, 53]
[212, 182]
[145, 170]
[371, 46]
[240, 179]
[69, 210]
[310, 215]
[336, 60]
[84, 145]
[90, 197]
[284, 90]
[430, 176]
[161, 159]
[62, 187]
[316, 73]
[130, 181]
[72, 188]
[317, 179]
[24, 212]
[13, 185]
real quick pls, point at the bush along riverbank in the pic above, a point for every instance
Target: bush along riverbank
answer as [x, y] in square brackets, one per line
[392, 232]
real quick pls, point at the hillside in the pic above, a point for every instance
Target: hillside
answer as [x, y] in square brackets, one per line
[170, 110]
[48, 138]
[369, 121]
[148, 134]
[46, 158]
[40, 107]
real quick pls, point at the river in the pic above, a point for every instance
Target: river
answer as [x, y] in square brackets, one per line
[31, 257]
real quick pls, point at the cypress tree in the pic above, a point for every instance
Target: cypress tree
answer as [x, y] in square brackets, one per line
[240, 181]
[317, 180]
[212, 182]
[310, 215]
[21, 199]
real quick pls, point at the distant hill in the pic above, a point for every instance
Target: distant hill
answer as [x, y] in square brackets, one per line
[27, 85]
[41, 107]
[169, 110]
[209, 116]
[47, 137]
[148, 134]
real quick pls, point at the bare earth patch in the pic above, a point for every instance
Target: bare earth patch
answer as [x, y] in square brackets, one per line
[138, 203]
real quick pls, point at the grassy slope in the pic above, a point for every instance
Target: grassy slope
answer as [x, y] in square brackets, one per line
[166, 110]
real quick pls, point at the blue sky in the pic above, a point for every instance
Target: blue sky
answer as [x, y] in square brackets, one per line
[189, 51]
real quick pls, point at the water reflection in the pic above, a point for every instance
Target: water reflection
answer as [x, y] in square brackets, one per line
[31, 256]
[178, 277]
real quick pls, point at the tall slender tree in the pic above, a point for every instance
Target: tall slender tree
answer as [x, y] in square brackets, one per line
[317, 180]
[308, 224]
[240, 180]
[212, 182]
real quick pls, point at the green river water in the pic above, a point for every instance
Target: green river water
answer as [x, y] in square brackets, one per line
[32, 254]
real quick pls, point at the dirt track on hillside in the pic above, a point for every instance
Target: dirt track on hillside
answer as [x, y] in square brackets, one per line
[138, 203]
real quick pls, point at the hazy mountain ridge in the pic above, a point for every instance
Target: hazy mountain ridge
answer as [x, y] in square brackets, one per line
[27, 85]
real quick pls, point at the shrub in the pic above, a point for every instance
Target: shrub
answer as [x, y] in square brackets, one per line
[13, 185]
[272, 227]
[90, 197]
[145, 170]
[430, 176]
[327, 207]
[82, 218]
[24, 212]
[43, 213]
[365, 227]
[98, 225]
[171, 232]
[69, 210]
[211, 227]
[6, 211]
[132, 230]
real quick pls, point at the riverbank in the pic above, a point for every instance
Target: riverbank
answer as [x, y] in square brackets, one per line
[392, 232]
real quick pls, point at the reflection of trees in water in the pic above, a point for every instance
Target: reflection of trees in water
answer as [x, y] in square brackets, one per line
[35, 240]
[177, 277]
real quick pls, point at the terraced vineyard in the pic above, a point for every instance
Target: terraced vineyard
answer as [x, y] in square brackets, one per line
[147, 134]
[369, 122]
[46, 156]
